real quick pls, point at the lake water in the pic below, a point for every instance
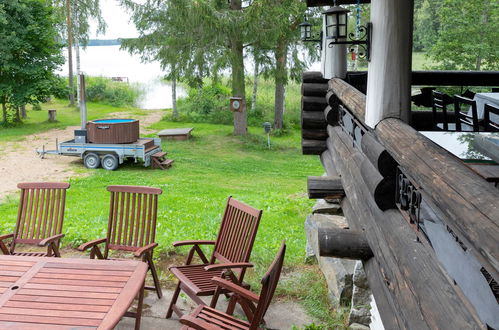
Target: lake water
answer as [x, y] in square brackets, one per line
[110, 61]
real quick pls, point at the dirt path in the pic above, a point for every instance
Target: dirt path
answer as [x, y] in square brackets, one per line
[20, 163]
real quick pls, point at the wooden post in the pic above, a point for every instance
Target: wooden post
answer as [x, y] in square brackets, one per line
[389, 79]
[52, 115]
[83, 102]
[343, 243]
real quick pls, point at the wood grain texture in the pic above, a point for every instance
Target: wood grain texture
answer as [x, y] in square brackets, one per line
[352, 98]
[324, 187]
[470, 203]
[343, 243]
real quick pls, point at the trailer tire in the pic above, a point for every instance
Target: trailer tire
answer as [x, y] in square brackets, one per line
[91, 160]
[110, 162]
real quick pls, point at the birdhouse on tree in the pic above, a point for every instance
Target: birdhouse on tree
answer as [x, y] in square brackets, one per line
[236, 104]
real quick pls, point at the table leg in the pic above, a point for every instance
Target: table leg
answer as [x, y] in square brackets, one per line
[138, 315]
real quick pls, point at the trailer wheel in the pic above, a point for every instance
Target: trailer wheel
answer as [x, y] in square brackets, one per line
[110, 162]
[91, 160]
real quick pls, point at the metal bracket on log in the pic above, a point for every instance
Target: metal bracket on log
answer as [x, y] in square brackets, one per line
[343, 243]
[325, 187]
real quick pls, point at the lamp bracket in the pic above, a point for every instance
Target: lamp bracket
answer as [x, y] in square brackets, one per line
[364, 41]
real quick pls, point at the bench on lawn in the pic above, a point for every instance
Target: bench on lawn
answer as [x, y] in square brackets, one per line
[178, 134]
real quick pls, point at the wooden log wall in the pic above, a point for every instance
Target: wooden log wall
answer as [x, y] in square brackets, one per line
[313, 104]
[411, 287]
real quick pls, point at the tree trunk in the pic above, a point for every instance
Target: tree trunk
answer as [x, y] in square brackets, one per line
[238, 84]
[18, 115]
[4, 110]
[255, 86]
[70, 53]
[280, 78]
[174, 97]
[23, 111]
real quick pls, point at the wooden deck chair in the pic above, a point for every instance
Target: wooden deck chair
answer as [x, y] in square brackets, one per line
[462, 116]
[439, 102]
[204, 317]
[131, 226]
[39, 219]
[488, 124]
[231, 252]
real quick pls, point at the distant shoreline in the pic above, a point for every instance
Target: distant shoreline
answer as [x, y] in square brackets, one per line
[104, 42]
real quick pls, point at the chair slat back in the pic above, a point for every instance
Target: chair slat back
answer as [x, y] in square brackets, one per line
[237, 232]
[132, 217]
[490, 125]
[439, 103]
[269, 284]
[462, 117]
[41, 211]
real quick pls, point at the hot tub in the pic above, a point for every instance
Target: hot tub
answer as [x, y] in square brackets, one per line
[113, 131]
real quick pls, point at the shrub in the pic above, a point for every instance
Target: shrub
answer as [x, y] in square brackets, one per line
[104, 90]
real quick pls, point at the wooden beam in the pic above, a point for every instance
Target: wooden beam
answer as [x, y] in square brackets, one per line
[313, 120]
[324, 187]
[314, 134]
[412, 279]
[313, 77]
[343, 243]
[313, 103]
[378, 155]
[313, 147]
[331, 115]
[382, 189]
[353, 99]
[455, 78]
[470, 204]
[314, 89]
[320, 3]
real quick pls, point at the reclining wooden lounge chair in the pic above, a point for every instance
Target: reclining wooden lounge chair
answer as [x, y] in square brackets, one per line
[232, 250]
[204, 317]
[131, 226]
[39, 219]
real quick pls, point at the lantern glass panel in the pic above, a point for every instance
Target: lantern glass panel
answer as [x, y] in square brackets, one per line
[331, 31]
[331, 19]
[342, 18]
[343, 31]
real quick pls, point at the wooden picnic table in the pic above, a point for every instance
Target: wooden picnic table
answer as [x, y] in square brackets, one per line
[68, 293]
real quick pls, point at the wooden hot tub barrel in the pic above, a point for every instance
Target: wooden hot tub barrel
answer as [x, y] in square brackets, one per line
[113, 131]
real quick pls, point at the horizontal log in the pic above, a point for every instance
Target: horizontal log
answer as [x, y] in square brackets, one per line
[313, 77]
[327, 163]
[313, 120]
[332, 99]
[455, 78]
[470, 204]
[403, 265]
[324, 187]
[331, 115]
[354, 100]
[378, 155]
[343, 243]
[314, 89]
[313, 147]
[314, 134]
[382, 189]
[313, 103]
[320, 3]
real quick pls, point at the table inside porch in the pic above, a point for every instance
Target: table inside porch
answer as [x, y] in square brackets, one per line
[57, 293]
[470, 148]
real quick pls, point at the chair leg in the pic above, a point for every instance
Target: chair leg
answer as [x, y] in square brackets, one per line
[174, 300]
[138, 315]
[154, 275]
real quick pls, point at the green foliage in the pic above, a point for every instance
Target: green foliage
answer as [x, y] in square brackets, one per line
[28, 54]
[115, 93]
[468, 35]
[210, 104]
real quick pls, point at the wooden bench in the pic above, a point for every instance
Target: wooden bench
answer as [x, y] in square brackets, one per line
[178, 134]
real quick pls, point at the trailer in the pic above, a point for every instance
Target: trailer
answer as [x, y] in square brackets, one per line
[110, 156]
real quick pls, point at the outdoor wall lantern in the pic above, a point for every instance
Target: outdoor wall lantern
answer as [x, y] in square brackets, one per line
[337, 32]
[306, 33]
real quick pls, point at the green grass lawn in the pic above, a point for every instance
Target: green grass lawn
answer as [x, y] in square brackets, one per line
[208, 168]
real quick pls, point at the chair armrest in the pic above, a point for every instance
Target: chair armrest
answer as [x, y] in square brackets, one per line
[145, 249]
[193, 242]
[195, 323]
[6, 236]
[228, 266]
[239, 290]
[90, 244]
[50, 239]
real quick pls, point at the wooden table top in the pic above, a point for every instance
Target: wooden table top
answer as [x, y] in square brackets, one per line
[57, 293]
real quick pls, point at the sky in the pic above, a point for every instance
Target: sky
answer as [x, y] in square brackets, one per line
[118, 22]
